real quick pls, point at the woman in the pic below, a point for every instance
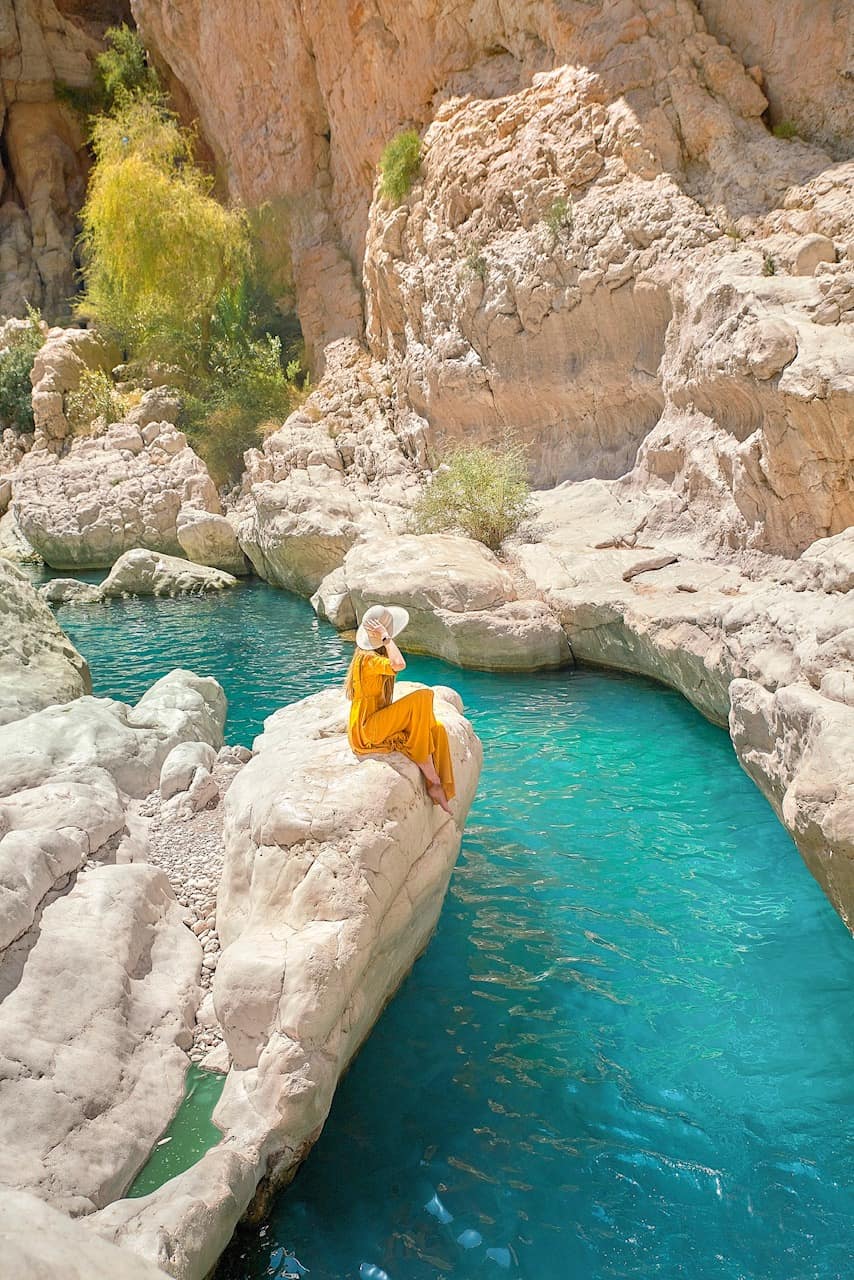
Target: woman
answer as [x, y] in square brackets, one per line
[379, 725]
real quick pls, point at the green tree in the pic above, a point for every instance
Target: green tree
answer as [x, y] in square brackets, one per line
[482, 491]
[159, 250]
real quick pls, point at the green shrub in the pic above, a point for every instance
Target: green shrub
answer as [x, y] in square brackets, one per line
[122, 70]
[785, 129]
[399, 165]
[482, 491]
[769, 266]
[477, 264]
[560, 216]
[94, 404]
[16, 390]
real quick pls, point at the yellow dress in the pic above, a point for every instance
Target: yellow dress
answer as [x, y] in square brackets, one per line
[407, 725]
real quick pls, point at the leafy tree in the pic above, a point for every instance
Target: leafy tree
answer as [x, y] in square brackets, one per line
[482, 491]
[159, 250]
[171, 273]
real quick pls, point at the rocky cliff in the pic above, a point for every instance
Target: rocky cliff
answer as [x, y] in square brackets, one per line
[631, 242]
[43, 158]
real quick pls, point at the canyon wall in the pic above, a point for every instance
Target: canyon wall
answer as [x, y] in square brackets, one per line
[606, 250]
[43, 157]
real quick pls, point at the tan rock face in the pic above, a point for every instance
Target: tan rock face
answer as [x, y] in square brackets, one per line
[804, 50]
[42, 42]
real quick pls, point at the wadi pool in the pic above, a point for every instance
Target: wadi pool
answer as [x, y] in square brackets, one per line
[628, 1050]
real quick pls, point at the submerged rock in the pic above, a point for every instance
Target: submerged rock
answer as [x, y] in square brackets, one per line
[148, 573]
[335, 872]
[38, 663]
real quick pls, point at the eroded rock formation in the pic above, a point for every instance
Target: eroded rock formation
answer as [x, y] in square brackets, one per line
[38, 663]
[45, 163]
[98, 974]
[334, 876]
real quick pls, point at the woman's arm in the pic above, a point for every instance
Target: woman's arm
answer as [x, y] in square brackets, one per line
[379, 635]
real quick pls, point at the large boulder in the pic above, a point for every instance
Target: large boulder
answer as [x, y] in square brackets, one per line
[92, 1037]
[463, 603]
[38, 663]
[98, 974]
[335, 872]
[37, 1242]
[209, 539]
[149, 573]
[109, 494]
[298, 530]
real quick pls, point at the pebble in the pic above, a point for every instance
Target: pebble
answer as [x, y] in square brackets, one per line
[191, 854]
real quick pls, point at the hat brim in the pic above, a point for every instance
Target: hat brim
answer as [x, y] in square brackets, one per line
[399, 619]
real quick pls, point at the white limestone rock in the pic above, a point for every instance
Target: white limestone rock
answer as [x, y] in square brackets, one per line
[336, 868]
[69, 591]
[91, 1038]
[181, 766]
[209, 539]
[57, 369]
[298, 530]
[141, 572]
[332, 601]
[463, 604]
[38, 663]
[13, 545]
[68, 770]
[102, 498]
[797, 744]
[38, 1242]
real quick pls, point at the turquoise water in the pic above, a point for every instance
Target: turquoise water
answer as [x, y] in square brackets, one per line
[628, 1050]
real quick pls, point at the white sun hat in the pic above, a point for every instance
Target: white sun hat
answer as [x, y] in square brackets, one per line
[391, 616]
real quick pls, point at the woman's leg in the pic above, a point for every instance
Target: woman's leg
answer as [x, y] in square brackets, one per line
[435, 790]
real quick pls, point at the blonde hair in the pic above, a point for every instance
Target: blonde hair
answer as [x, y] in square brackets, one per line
[359, 658]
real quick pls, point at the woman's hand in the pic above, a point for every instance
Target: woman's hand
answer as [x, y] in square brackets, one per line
[377, 634]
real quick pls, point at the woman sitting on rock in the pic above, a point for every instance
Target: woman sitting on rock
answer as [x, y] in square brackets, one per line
[379, 725]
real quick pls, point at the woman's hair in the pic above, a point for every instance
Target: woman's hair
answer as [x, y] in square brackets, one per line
[359, 657]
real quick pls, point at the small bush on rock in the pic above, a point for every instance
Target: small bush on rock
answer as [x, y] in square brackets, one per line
[399, 165]
[482, 491]
[122, 70]
[559, 217]
[95, 404]
[16, 363]
[785, 129]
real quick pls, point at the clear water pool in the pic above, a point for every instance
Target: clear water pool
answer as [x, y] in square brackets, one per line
[628, 1050]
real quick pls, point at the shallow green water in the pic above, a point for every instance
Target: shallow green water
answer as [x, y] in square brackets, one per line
[627, 1051]
[189, 1135]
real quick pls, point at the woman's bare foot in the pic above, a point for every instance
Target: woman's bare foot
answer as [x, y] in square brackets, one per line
[436, 792]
